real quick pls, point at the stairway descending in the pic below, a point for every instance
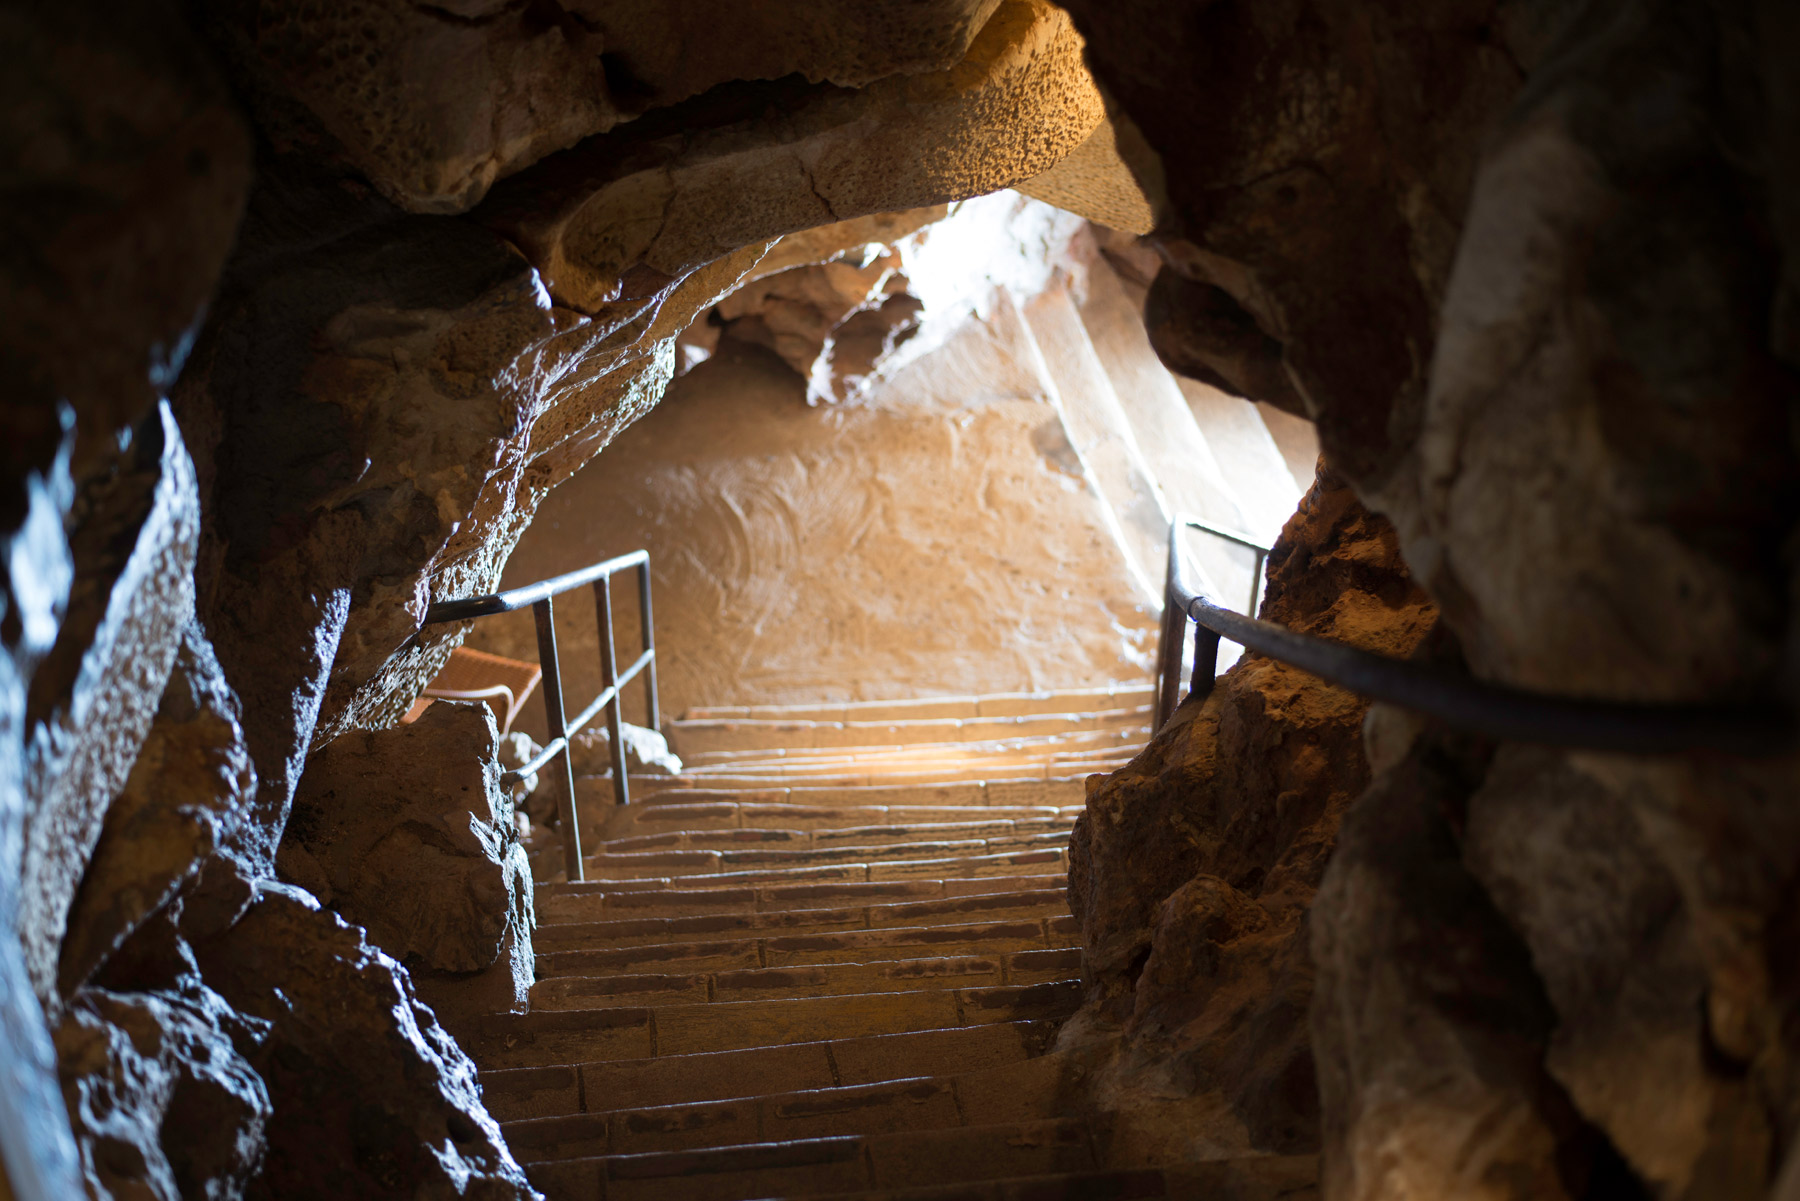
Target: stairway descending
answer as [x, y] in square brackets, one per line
[830, 960]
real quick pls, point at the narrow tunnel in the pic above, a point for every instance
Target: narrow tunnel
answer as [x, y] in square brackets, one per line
[899, 599]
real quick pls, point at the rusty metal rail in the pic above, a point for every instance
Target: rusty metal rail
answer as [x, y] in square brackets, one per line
[541, 598]
[1495, 710]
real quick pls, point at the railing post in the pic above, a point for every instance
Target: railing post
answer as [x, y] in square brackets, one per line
[1171, 641]
[557, 722]
[653, 720]
[1206, 661]
[609, 678]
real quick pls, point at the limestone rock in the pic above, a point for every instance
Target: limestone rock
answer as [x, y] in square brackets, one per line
[619, 217]
[1429, 1025]
[368, 1095]
[371, 79]
[1193, 867]
[187, 797]
[405, 831]
[163, 1104]
[127, 165]
[93, 698]
[1566, 859]
[1113, 178]
[832, 322]
[1317, 158]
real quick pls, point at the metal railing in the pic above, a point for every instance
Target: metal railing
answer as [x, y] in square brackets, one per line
[541, 597]
[1495, 710]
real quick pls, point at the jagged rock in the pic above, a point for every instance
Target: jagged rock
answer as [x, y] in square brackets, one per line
[1317, 158]
[92, 699]
[1193, 867]
[386, 402]
[367, 78]
[1429, 1025]
[127, 165]
[618, 218]
[1566, 859]
[406, 832]
[369, 1096]
[831, 322]
[1113, 178]
[187, 797]
[163, 1104]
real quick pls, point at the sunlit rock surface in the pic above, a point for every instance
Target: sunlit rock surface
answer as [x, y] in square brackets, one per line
[407, 833]
[1193, 870]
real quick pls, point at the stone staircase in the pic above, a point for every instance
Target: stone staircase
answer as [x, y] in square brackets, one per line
[830, 960]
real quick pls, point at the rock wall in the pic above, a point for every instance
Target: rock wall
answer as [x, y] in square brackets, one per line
[286, 367]
[1529, 269]
[1194, 869]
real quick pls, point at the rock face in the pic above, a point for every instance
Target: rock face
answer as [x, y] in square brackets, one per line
[407, 833]
[95, 693]
[1193, 869]
[163, 1104]
[380, 398]
[366, 78]
[368, 1094]
[1577, 414]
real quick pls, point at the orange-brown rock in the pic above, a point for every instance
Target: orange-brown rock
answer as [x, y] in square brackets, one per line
[1193, 868]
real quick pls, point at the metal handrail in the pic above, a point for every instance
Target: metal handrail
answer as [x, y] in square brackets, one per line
[541, 599]
[1495, 710]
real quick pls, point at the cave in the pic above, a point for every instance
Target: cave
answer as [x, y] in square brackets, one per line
[900, 599]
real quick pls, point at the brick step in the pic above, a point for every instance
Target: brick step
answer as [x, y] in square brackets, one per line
[599, 955]
[672, 1080]
[958, 968]
[1042, 860]
[988, 794]
[979, 1092]
[543, 1038]
[1005, 704]
[1011, 751]
[815, 1166]
[776, 776]
[677, 834]
[695, 736]
[779, 850]
[586, 919]
[1258, 1178]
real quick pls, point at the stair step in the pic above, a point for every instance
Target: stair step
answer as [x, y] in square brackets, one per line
[965, 969]
[948, 740]
[694, 736]
[1070, 768]
[779, 849]
[683, 835]
[1040, 860]
[722, 1075]
[543, 1038]
[809, 1167]
[599, 955]
[799, 910]
[1000, 791]
[704, 817]
[982, 1091]
[1005, 704]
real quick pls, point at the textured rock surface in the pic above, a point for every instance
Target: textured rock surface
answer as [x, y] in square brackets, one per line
[1193, 868]
[1317, 158]
[95, 693]
[617, 219]
[164, 1106]
[368, 1095]
[406, 832]
[188, 796]
[1576, 415]
[367, 78]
